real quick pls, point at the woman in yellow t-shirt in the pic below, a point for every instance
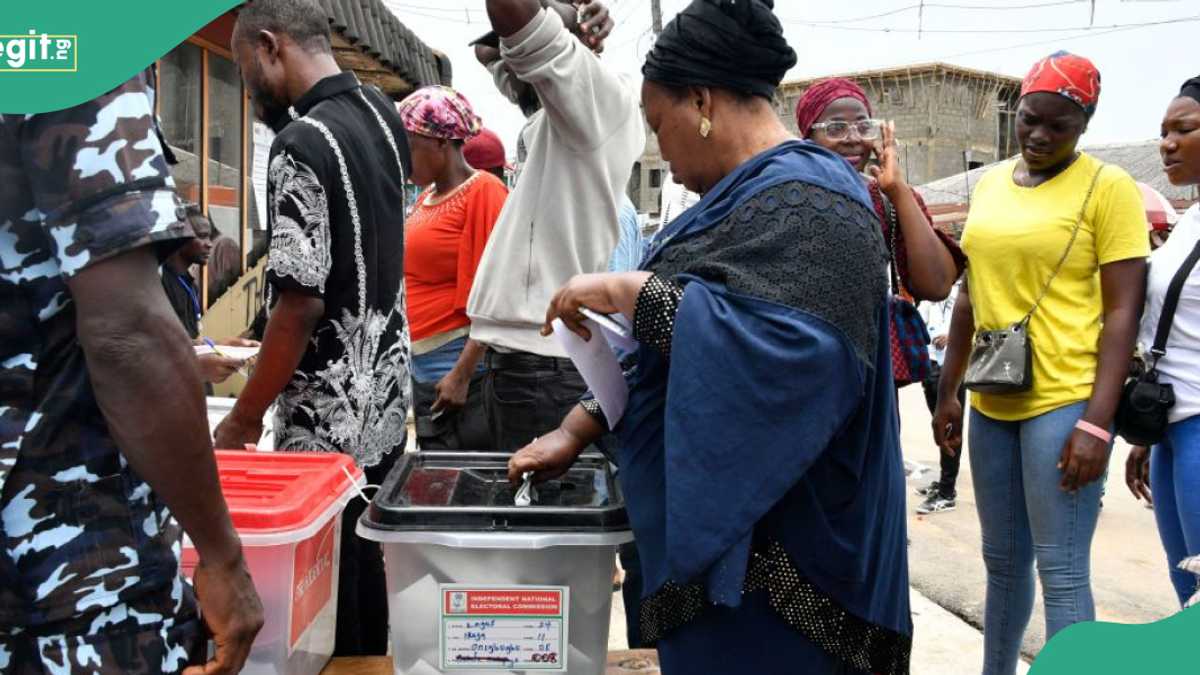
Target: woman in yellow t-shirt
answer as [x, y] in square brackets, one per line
[1038, 457]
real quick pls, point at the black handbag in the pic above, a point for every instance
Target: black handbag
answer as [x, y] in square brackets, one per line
[1145, 407]
[1001, 360]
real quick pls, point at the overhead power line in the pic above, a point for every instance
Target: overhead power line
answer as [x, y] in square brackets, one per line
[977, 31]
[934, 5]
[1055, 41]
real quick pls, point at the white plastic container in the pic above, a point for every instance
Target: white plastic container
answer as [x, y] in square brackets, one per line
[451, 536]
[287, 509]
[220, 406]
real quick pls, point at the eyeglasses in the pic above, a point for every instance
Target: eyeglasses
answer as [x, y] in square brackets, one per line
[868, 130]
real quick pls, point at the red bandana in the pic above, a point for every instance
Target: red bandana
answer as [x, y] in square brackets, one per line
[1068, 75]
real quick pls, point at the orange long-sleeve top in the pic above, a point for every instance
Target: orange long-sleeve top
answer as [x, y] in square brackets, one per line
[444, 240]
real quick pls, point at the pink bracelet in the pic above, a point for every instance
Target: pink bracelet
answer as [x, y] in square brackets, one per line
[1088, 427]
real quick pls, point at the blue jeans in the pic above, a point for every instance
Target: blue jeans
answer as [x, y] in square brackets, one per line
[1174, 482]
[1026, 519]
[433, 366]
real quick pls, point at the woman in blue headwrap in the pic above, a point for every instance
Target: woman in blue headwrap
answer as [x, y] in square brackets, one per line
[759, 453]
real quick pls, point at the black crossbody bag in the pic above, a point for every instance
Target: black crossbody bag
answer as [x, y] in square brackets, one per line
[1144, 411]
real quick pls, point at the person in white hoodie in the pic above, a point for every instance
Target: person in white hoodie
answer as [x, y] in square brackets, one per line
[585, 132]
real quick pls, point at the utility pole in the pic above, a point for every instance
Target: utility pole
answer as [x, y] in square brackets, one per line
[656, 16]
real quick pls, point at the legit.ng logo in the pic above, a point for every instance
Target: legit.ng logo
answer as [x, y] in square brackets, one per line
[35, 52]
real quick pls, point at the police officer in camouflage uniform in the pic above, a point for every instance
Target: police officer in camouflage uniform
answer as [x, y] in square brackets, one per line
[103, 436]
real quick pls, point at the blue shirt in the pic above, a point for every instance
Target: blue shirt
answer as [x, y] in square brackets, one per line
[627, 256]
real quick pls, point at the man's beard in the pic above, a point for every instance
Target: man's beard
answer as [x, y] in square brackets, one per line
[273, 113]
[270, 109]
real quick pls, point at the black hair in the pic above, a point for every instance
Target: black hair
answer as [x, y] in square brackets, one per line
[1191, 89]
[196, 218]
[302, 20]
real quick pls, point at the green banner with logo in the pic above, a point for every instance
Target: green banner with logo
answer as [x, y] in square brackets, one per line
[1097, 648]
[54, 55]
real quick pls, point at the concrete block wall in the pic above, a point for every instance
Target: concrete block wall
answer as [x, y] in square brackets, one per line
[939, 113]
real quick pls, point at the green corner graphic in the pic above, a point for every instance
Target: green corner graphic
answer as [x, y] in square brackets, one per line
[80, 49]
[1096, 648]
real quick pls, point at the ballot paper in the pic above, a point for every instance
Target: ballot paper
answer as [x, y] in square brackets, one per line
[596, 361]
[527, 493]
[239, 353]
[617, 329]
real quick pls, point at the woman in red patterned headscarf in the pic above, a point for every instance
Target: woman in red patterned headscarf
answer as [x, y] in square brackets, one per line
[444, 239]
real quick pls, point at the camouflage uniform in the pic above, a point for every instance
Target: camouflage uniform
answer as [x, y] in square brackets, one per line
[89, 575]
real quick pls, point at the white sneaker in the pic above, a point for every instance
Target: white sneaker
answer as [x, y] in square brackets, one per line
[932, 488]
[936, 503]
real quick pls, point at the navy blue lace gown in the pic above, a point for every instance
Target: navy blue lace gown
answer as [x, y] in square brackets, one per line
[759, 452]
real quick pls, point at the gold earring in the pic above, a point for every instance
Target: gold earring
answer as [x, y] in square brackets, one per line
[705, 127]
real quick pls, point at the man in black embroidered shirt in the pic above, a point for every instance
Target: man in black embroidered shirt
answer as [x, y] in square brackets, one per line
[335, 352]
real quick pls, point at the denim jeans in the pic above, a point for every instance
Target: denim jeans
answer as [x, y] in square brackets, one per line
[1174, 479]
[463, 429]
[1026, 518]
[527, 396]
[432, 366]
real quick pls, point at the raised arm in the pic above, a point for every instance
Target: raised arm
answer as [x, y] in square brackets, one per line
[510, 16]
[585, 101]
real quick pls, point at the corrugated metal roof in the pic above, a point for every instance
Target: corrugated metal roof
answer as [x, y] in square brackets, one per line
[1141, 159]
[371, 27]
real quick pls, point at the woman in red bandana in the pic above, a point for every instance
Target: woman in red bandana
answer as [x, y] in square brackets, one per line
[1056, 239]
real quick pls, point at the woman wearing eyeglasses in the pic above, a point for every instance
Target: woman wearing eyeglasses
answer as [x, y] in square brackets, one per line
[836, 114]
[925, 262]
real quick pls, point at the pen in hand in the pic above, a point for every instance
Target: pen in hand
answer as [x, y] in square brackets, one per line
[213, 346]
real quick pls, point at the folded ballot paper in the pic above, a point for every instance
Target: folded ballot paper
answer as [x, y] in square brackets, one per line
[596, 360]
[239, 353]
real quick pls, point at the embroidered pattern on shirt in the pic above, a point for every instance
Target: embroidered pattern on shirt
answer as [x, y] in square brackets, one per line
[358, 403]
[387, 132]
[360, 262]
[300, 248]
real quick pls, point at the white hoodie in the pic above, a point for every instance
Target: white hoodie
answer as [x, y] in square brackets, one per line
[561, 219]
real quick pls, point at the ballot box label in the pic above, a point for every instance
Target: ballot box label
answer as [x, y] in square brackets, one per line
[312, 580]
[504, 627]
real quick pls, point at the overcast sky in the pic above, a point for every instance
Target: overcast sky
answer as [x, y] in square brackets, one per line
[1141, 67]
